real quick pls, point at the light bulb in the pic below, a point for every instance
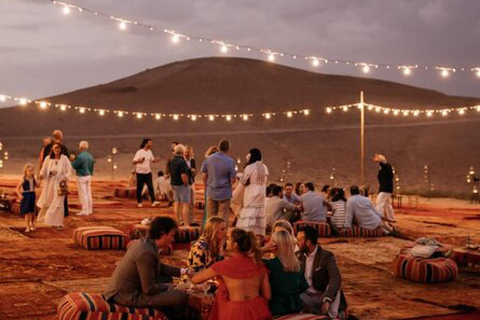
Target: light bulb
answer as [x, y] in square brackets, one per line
[306, 112]
[193, 117]
[66, 10]
[445, 73]
[139, 116]
[43, 104]
[211, 118]
[122, 25]
[345, 109]
[289, 114]
[229, 117]
[23, 101]
[405, 113]
[271, 57]
[444, 113]
[3, 98]
[245, 117]
[268, 115]
[175, 38]
[101, 112]
[386, 111]
[63, 107]
[120, 114]
[407, 71]
[175, 117]
[329, 110]
[429, 113]
[378, 109]
[366, 69]
[315, 62]
[461, 112]
[416, 113]
[478, 73]
[157, 116]
[81, 110]
[224, 49]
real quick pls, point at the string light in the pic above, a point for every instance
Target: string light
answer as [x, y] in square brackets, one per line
[289, 114]
[245, 117]
[43, 105]
[81, 110]
[101, 112]
[158, 116]
[228, 117]
[63, 107]
[120, 114]
[306, 112]
[193, 117]
[268, 115]
[329, 110]
[211, 117]
[175, 117]
[366, 67]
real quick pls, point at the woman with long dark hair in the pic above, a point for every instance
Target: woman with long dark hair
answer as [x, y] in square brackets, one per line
[339, 208]
[246, 289]
[254, 178]
[143, 161]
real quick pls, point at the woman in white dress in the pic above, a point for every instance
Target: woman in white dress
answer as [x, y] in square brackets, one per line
[254, 178]
[56, 168]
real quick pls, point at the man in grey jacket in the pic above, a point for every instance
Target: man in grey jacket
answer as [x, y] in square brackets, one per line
[141, 280]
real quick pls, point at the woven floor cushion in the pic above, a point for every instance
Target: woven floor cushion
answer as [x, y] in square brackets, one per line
[302, 316]
[187, 234]
[465, 258]
[6, 203]
[130, 193]
[356, 231]
[435, 270]
[92, 306]
[100, 238]
[324, 229]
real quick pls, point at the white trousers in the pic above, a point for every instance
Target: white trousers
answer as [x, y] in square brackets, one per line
[85, 193]
[384, 205]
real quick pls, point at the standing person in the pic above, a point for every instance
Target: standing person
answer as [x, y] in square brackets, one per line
[245, 290]
[314, 205]
[289, 195]
[385, 179]
[141, 279]
[211, 150]
[219, 175]
[57, 138]
[286, 277]
[26, 193]
[55, 172]
[324, 295]
[83, 165]
[254, 178]
[188, 155]
[46, 142]
[143, 167]
[179, 180]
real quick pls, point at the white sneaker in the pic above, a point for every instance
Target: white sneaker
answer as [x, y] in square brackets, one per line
[155, 203]
[82, 214]
[140, 205]
[27, 230]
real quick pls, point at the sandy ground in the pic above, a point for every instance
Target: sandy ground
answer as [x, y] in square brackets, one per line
[38, 268]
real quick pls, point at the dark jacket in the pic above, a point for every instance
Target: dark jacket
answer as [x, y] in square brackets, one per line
[385, 178]
[326, 276]
[139, 274]
[48, 149]
[191, 176]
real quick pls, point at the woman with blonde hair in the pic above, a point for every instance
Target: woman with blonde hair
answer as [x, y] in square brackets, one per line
[26, 193]
[286, 277]
[245, 290]
[207, 249]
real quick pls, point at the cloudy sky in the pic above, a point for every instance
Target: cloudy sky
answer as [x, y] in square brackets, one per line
[45, 52]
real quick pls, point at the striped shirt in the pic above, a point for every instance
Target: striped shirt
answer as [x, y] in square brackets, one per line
[339, 210]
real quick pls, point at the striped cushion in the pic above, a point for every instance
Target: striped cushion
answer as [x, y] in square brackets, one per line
[130, 193]
[92, 306]
[356, 231]
[302, 316]
[424, 270]
[15, 208]
[200, 204]
[187, 234]
[100, 237]
[324, 229]
[465, 258]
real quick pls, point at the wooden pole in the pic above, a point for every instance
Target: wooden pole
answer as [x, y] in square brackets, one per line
[362, 139]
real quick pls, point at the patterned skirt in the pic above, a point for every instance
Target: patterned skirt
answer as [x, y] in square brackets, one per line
[253, 219]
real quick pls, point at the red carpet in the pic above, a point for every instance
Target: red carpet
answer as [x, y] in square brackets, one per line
[474, 315]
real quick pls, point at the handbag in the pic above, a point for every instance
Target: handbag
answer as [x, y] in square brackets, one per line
[62, 188]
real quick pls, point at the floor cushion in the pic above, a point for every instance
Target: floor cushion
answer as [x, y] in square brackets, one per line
[7, 202]
[100, 238]
[356, 231]
[324, 229]
[187, 234]
[435, 270]
[466, 258]
[301, 316]
[124, 192]
[92, 306]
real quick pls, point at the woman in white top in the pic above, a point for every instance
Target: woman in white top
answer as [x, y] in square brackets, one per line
[254, 178]
[55, 169]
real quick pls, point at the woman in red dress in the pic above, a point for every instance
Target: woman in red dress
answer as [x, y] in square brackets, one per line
[245, 290]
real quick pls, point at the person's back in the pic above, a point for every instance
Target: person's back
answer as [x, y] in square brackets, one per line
[339, 209]
[219, 167]
[243, 289]
[360, 209]
[314, 210]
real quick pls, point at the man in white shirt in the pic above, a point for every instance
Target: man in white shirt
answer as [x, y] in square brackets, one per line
[143, 167]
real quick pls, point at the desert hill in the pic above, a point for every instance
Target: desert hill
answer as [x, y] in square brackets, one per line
[312, 144]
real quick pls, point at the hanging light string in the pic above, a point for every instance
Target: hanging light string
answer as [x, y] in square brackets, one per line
[101, 111]
[429, 112]
[270, 54]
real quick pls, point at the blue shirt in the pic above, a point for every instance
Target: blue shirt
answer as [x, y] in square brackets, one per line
[360, 209]
[293, 199]
[220, 169]
[83, 164]
[313, 208]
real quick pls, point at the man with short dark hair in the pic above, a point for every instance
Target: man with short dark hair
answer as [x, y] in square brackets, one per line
[289, 195]
[276, 207]
[141, 280]
[324, 295]
[385, 190]
[219, 175]
[360, 209]
[314, 205]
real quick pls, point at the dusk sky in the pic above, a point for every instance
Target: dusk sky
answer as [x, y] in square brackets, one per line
[45, 52]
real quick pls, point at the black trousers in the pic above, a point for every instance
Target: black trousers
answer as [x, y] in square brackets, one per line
[143, 178]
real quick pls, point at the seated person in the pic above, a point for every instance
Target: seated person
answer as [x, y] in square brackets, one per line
[269, 190]
[326, 189]
[141, 280]
[289, 195]
[208, 248]
[278, 208]
[339, 208]
[324, 295]
[287, 281]
[360, 209]
[162, 188]
[314, 205]
[246, 289]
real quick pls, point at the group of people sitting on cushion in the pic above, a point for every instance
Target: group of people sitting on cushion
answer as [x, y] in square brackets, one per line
[307, 205]
[288, 275]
